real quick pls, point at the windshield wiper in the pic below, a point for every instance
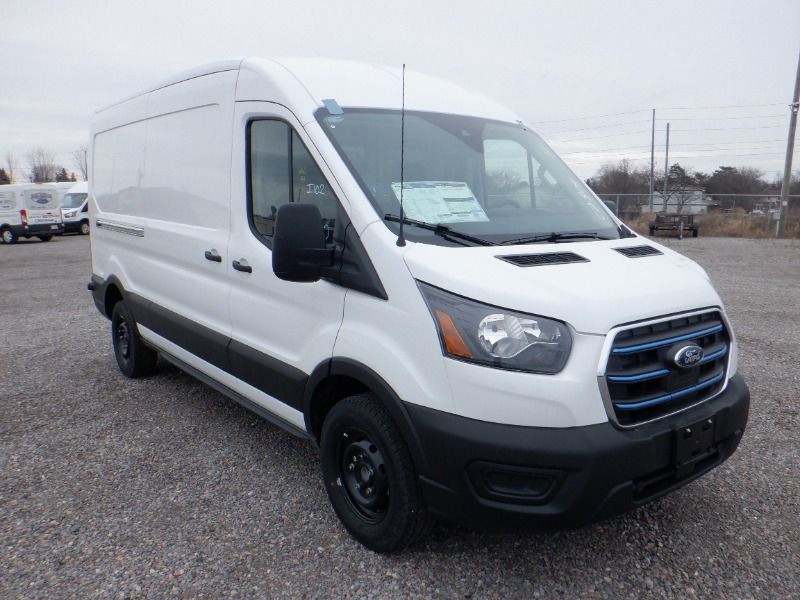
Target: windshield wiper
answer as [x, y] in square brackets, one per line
[441, 230]
[556, 236]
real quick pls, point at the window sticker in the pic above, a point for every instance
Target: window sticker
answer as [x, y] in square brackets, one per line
[439, 202]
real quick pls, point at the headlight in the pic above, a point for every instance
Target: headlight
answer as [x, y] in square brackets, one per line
[496, 337]
[69, 215]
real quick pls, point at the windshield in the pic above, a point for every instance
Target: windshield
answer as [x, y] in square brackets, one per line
[491, 179]
[73, 200]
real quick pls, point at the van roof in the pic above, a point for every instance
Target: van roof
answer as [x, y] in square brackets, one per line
[302, 84]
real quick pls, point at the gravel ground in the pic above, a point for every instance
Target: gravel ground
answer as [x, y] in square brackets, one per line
[163, 488]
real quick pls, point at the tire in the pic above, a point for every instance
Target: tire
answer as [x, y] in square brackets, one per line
[369, 476]
[84, 229]
[695, 232]
[134, 359]
[45, 238]
[8, 236]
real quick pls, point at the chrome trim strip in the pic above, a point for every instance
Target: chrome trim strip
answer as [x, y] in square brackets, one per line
[120, 228]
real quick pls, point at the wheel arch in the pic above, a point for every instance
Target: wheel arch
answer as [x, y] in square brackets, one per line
[112, 292]
[338, 378]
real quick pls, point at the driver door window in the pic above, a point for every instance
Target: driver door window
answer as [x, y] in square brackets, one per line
[282, 171]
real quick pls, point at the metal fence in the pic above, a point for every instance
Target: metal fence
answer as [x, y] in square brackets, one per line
[736, 215]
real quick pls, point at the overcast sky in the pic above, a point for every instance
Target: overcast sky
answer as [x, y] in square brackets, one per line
[561, 65]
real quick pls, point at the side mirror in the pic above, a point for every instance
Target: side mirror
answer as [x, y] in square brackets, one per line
[298, 246]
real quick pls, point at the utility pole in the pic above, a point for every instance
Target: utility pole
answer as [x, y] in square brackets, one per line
[652, 156]
[666, 171]
[787, 167]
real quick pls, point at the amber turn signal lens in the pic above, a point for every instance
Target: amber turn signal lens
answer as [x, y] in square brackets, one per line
[453, 342]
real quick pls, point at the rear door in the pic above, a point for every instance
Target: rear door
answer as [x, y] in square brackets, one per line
[280, 330]
[41, 205]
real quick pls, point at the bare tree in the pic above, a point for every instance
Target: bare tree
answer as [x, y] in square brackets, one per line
[11, 165]
[681, 189]
[42, 164]
[80, 161]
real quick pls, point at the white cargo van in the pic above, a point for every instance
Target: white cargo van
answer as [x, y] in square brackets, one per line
[499, 351]
[75, 209]
[29, 210]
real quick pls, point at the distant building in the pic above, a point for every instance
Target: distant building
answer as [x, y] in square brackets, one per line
[771, 203]
[692, 200]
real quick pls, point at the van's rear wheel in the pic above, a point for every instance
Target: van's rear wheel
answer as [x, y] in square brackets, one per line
[84, 228]
[133, 357]
[8, 236]
[369, 476]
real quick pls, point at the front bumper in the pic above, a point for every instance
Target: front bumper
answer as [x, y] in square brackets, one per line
[72, 226]
[492, 475]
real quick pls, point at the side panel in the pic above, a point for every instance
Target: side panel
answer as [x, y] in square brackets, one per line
[162, 192]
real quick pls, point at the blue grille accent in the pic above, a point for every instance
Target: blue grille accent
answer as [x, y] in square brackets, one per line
[668, 397]
[640, 377]
[668, 341]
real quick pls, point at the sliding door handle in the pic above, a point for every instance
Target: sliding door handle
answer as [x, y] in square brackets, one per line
[241, 265]
[213, 255]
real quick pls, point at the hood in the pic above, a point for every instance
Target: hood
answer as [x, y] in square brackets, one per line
[605, 290]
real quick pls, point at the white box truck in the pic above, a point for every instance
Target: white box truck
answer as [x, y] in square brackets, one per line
[417, 284]
[29, 210]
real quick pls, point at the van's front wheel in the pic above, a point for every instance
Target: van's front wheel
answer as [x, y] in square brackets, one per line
[369, 476]
[133, 357]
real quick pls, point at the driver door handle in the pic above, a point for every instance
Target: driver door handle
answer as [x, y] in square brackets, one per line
[241, 265]
[213, 255]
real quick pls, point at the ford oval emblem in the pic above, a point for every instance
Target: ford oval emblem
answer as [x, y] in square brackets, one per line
[688, 356]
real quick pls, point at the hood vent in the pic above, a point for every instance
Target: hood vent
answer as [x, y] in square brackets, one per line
[638, 251]
[538, 260]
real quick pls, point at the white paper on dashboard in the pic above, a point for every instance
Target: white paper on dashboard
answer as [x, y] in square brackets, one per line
[439, 202]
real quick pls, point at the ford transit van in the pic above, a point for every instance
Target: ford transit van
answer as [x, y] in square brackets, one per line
[412, 280]
[29, 210]
[75, 209]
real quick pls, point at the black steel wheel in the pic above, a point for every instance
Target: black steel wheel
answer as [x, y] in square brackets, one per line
[369, 476]
[134, 359]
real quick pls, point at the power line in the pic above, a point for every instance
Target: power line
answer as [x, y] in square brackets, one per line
[738, 117]
[686, 156]
[598, 127]
[629, 112]
[720, 107]
[632, 112]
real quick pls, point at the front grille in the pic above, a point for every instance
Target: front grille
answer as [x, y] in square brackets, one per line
[549, 258]
[643, 381]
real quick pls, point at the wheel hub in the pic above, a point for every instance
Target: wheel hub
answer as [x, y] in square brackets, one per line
[364, 476]
[124, 339]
